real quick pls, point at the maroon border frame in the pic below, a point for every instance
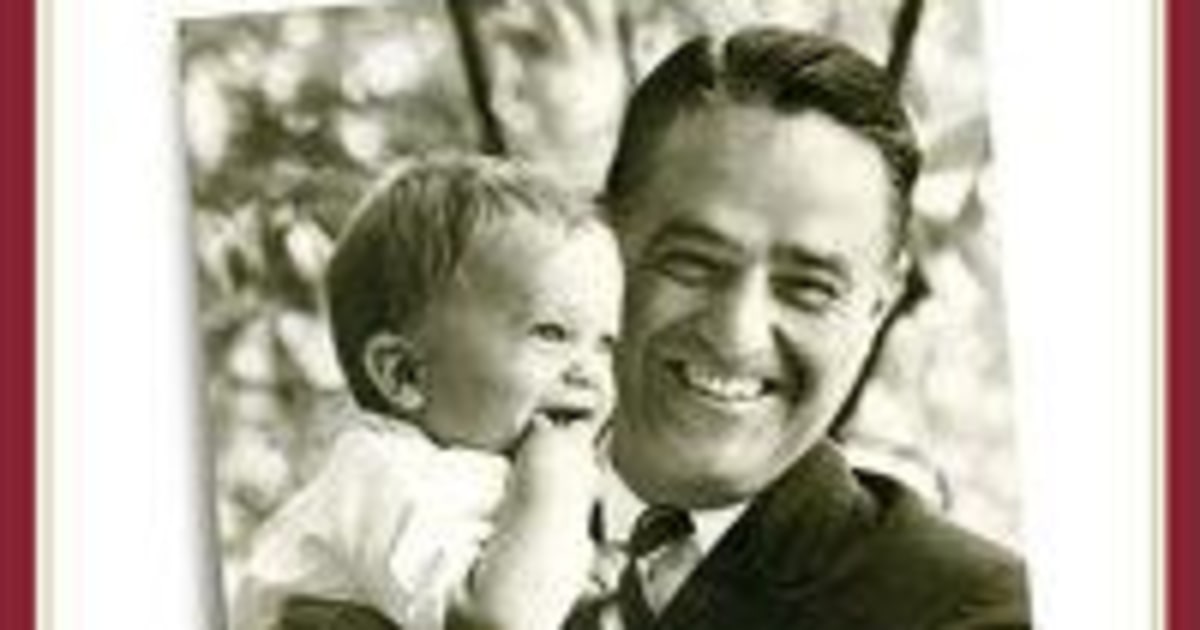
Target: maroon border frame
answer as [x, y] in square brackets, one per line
[17, 361]
[1183, 311]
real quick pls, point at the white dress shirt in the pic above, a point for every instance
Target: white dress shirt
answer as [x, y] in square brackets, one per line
[661, 572]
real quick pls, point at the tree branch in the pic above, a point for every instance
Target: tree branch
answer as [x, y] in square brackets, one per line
[478, 82]
[904, 32]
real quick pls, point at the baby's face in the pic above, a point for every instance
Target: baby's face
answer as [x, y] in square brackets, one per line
[527, 327]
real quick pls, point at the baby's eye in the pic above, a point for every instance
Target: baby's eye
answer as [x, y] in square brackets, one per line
[549, 331]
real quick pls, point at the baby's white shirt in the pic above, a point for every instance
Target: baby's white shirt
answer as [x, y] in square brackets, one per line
[392, 521]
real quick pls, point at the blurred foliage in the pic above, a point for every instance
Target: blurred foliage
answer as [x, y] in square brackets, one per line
[288, 116]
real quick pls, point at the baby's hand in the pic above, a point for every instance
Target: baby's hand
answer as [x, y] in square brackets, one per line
[541, 544]
[556, 463]
[604, 574]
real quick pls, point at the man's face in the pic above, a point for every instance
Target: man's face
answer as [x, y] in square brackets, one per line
[758, 274]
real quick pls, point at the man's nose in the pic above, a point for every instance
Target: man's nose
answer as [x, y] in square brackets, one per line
[738, 321]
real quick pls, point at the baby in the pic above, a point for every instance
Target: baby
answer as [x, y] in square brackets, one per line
[474, 307]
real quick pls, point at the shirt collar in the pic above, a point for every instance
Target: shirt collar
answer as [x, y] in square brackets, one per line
[621, 508]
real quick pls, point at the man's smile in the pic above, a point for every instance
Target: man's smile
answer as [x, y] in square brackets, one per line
[720, 385]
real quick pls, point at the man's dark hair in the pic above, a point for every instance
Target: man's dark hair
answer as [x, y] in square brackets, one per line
[787, 71]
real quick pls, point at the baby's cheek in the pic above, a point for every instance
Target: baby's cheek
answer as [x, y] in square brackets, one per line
[605, 381]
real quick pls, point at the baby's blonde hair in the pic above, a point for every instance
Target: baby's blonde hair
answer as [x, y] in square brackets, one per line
[408, 237]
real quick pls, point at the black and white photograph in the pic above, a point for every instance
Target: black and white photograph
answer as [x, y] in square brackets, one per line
[603, 314]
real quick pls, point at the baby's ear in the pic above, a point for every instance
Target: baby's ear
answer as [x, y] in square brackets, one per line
[396, 370]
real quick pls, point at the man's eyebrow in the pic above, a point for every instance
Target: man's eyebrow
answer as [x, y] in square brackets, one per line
[687, 231]
[682, 230]
[798, 256]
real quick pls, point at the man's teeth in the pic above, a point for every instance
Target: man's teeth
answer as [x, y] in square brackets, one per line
[724, 387]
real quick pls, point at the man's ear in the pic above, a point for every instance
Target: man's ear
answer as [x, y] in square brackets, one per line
[901, 285]
[396, 370]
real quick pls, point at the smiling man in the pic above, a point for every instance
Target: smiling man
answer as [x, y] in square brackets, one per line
[761, 195]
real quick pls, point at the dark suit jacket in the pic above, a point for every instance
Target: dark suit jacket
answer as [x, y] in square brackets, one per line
[825, 548]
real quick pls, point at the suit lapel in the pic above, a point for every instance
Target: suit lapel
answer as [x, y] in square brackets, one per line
[784, 549]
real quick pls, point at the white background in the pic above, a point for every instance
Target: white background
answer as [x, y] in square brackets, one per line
[121, 514]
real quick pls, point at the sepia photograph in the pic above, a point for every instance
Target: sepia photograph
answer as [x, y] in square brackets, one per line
[603, 314]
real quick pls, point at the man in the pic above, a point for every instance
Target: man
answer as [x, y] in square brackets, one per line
[760, 192]
[761, 195]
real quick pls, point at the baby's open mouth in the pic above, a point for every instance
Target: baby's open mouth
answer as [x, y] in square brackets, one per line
[562, 415]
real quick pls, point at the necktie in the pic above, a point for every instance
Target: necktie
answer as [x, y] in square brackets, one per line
[661, 538]
[657, 527]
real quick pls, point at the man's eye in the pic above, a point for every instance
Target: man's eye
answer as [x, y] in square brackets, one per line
[688, 267]
[810, 294]
[549, 331]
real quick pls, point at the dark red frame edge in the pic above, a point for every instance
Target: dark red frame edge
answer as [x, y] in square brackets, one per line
[1183, 312]
[17, 361]
[17, 333]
